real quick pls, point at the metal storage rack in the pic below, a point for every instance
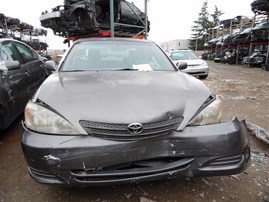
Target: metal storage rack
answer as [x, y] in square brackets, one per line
[113, 23]
[220, 32]
[112, 33]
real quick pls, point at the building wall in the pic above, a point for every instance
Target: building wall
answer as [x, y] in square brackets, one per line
[174, 44]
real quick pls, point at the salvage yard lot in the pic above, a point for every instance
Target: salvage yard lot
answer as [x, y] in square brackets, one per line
[244, 92]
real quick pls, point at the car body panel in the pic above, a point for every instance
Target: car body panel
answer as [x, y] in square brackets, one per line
[126, 92]
[13, 96]
[220, 149]
[17, 85]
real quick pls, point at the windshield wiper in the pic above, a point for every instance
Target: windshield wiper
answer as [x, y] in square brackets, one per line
[126, 69]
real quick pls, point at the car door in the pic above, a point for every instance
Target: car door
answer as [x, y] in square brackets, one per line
[14, 86]
[35, 66]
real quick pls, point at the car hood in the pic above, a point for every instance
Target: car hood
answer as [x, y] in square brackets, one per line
[195, 62]
[123, 96]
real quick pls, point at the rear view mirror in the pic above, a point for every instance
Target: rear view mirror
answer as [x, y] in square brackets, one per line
[182, 65]
[10, 65]
[50, 65]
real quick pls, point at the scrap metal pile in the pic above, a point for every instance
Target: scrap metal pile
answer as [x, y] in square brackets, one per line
[78, 18]
[241, 39]
[13, 28]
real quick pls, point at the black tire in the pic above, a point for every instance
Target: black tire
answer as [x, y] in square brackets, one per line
[266, 66]
[203, 77]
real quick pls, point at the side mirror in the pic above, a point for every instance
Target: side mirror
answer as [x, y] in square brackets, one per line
[50, 65]
[182, 65]
[10, 65]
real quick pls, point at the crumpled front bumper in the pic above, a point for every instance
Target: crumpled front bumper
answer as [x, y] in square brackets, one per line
[220, 149]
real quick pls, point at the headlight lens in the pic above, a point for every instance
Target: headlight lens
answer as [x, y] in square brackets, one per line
[43, 120]
[204, 64]
[258, 59]
[210, 115]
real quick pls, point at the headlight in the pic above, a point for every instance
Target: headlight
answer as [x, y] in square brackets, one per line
[210, 115]
[204, 64]
[258, 59]
[43, 120]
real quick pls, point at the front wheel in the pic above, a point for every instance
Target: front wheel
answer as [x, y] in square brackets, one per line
[203, 77]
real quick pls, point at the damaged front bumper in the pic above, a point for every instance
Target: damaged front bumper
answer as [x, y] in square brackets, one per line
[220, 149]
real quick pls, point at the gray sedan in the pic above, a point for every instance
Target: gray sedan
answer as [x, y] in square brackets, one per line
[21, 73]
[119, 111]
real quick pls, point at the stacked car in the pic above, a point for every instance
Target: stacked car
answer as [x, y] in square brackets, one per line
[261, 6]
[241, 39]
[82, 18]
[14, 28]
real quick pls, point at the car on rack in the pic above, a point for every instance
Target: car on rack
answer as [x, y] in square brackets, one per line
[257, 58]
[118, 110]
[78, 18]
[196, 66]
[21, 73]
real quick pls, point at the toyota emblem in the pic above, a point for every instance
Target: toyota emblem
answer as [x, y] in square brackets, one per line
[135, 128]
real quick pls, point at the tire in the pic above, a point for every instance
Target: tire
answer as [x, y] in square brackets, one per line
[203, 77]
[266, 66]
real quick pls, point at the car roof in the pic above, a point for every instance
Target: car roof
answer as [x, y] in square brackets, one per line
[10, 39]
[7, 39]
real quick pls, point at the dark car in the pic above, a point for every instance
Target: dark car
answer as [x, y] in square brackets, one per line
[77, 18]
[260, 32]
[119, 111]
[257, 58]
[21, 73]
[260, 6]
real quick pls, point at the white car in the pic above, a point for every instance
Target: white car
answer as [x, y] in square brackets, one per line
[196, 66]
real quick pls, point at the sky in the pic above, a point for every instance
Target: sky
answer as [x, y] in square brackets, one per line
[171, 19]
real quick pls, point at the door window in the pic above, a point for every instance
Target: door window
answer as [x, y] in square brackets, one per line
[11, 51]
[26, 54]
[5, 55]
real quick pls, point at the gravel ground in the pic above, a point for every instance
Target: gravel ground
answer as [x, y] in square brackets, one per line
[244, 92]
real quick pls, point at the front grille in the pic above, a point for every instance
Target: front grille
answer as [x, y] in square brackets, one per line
[119, 131]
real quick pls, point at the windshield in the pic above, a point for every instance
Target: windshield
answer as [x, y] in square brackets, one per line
[183, 55]
[116, 55]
